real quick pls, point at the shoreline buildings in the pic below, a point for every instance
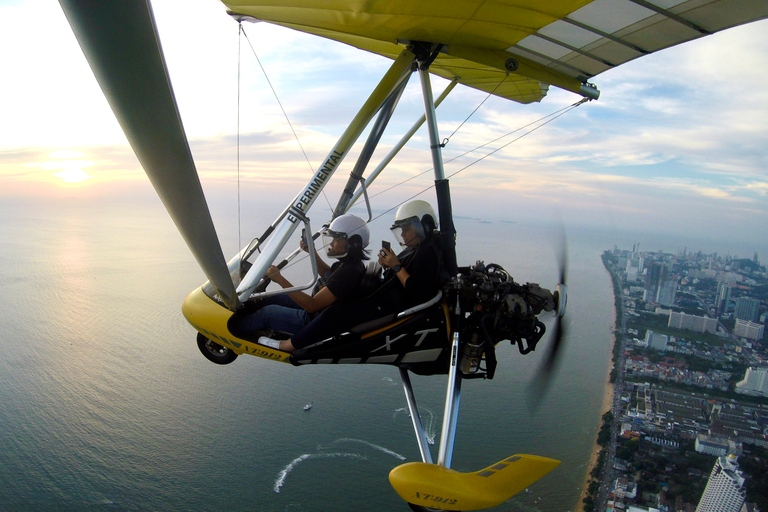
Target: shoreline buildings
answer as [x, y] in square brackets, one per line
[725, 491]
[755, 382]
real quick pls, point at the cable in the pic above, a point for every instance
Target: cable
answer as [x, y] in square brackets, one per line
[285, 114]
[445, 141]
[556, 114]
[547, 119]
[239, 63]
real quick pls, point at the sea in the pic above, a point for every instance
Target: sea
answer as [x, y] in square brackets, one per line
[106, 403]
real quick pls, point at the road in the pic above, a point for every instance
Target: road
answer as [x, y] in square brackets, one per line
[608, 474]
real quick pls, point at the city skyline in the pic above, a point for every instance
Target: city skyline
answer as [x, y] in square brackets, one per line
[675, 144]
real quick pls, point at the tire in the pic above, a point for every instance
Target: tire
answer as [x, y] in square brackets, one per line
[419, 508]
[214, 352]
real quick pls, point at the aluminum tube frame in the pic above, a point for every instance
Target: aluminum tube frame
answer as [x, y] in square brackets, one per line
[429, 112]
[410, 398]
[451, 412]
[313, 263]
[285, 226]
[402, 142]
[453, 388]
[377, 130]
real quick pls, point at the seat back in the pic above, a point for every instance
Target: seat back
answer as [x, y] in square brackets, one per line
[371, 279]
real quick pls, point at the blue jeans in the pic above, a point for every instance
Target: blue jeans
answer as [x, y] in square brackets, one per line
[280, 313]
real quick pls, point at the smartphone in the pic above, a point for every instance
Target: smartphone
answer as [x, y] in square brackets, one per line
[386, 245]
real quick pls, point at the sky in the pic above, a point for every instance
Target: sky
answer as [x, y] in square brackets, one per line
[676, 144]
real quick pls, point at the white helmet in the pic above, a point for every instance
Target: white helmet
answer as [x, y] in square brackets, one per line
[346, 226]
[418, 214]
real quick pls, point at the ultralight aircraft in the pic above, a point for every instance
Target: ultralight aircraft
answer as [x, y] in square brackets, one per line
[514, 49]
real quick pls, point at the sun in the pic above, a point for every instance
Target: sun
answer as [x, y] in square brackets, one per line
[73, 175]
[70, 166]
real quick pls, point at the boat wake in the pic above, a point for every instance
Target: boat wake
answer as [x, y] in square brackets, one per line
[430, 429]
[390, 381]
[374, 446]
[290, 467]
[283, 474]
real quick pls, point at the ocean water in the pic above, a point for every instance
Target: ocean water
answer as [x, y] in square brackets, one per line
[106, 403]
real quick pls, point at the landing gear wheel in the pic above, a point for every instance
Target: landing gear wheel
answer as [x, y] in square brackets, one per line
[419, 508]
[213, 351]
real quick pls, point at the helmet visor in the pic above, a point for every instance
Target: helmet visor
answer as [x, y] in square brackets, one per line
[331, 248]
[408, 232]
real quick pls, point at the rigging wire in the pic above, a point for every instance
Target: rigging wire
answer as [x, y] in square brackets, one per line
[285, 114]
[553, 115]
[448, 138]
[239, 212]
[546, 120]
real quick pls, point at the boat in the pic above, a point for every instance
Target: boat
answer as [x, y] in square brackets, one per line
[308, 406]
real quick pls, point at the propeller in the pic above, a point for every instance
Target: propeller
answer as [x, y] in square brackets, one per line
[561, 300]
[540, 383]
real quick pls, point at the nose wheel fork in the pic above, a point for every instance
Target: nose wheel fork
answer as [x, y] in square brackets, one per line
[214, 352]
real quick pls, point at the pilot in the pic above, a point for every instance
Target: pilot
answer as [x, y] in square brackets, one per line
[412, 277]
[346, 240]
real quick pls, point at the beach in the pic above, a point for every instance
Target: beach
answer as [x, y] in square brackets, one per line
[606, 406]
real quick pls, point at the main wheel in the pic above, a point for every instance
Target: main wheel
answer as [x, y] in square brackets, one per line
[213, 351]
[419, 508]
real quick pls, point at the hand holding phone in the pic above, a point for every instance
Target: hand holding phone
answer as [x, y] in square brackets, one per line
[385, 245]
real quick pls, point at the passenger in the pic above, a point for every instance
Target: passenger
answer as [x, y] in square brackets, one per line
[346, 239]
[412, 277]
[418, 268]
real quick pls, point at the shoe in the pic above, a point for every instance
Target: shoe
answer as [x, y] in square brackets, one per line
[269, 342]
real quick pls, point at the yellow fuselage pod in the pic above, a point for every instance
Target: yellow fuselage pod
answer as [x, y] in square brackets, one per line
[433, 486]
[210, 318]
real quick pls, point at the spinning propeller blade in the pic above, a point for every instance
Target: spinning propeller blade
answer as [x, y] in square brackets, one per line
[122, 46]
[561, 297]
[540, 383]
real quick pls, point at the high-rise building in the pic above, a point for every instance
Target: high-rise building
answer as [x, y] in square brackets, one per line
[725, 491]
[723, 297]
[659, 285]
[755, 382]
[692, 322]
[656, 341]
[747, 308]
[749, 330]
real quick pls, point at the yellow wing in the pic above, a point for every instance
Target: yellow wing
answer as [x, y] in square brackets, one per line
[537, 42]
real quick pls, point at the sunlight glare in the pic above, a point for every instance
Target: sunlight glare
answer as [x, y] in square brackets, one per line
[72, 175]
[69, 166]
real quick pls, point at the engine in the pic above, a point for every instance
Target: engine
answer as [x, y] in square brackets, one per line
[494, 308]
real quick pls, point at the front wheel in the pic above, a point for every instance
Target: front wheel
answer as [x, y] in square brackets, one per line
[213, 351]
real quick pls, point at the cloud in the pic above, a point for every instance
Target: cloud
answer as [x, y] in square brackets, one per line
[678, 136]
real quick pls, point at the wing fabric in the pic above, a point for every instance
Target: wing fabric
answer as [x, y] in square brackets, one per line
[120, 41]
[551, 42]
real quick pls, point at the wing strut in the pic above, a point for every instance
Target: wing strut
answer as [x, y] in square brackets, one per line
[401, 143]
[121, 44]
[286, 223]
[356, 176]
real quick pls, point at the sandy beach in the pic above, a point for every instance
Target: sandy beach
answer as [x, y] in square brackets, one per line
[606, 406]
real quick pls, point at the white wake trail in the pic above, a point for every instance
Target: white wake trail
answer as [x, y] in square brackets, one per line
[374, 446]
[282, 475]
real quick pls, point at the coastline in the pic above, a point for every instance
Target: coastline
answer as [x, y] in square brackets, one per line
[606, 406]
